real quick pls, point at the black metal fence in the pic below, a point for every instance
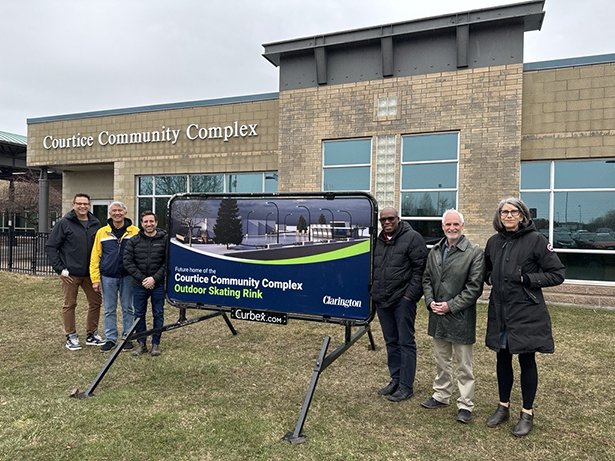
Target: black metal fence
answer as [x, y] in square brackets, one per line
[24, 252]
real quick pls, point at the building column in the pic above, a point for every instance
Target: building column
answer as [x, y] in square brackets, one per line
[43, 201]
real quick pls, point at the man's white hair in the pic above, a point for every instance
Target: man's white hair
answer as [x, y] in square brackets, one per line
[452, 210]
[116, 203]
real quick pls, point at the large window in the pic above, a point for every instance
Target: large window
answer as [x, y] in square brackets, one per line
[154, 192]
[347, 165]
[573, 204]
[428, 181]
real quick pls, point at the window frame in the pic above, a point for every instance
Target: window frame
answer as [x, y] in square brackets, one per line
[551, 190]
[430, 190]
[225, 176]
[348, 166]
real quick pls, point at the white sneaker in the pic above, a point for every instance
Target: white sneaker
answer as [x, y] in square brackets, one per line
[72, 342]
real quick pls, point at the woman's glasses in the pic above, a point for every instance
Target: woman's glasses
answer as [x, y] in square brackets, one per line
[513, 213]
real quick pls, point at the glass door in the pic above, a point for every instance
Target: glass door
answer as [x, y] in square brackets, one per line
[100, 209]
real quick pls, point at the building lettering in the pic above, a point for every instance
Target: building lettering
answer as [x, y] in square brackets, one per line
[76, 140]
[217, 132]
[165, 134]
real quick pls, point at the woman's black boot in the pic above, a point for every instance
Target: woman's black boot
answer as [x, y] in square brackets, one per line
[524, 426]
[501, 415]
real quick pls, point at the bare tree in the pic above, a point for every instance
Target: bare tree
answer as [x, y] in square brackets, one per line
[190, 213]
[19, 196]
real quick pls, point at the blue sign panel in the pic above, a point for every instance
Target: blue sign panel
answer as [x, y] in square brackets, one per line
[305, 255]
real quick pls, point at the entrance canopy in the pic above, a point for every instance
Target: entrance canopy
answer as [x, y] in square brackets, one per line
[12, 154]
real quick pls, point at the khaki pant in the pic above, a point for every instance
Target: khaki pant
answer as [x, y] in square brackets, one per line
[443, 352]
[70, 303]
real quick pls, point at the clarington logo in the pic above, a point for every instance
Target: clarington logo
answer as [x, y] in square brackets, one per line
[341, 301]
[165, 134]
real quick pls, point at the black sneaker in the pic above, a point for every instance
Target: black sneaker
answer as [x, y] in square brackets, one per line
[94, 339]
[432, 404]
[72, 342]
[107, 346]
[464, 416]
[128, 346]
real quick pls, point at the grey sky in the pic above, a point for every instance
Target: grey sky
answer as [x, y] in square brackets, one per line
[69, 56]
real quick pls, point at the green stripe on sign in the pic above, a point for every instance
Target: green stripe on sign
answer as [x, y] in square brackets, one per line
[346, 252]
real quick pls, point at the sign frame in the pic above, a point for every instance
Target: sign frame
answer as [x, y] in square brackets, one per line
[192, 241]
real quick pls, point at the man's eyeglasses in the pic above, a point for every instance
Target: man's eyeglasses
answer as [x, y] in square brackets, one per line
[388, 218]
[513, 213]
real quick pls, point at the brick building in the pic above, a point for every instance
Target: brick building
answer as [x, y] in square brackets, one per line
[426, 115]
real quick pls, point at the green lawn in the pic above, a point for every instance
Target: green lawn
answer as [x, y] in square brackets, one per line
[214, 396]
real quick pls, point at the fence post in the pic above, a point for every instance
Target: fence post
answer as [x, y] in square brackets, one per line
[34, 253]
[10, 245]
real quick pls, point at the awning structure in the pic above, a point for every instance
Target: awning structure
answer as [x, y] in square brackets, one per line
[12, 154]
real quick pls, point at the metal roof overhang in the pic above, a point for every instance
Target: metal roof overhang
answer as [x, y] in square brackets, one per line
[531, 14]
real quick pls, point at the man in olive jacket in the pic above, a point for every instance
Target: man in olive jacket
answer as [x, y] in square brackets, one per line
[452, 283]
[399, 261]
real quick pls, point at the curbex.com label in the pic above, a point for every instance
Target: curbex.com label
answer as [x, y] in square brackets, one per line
[279, 318]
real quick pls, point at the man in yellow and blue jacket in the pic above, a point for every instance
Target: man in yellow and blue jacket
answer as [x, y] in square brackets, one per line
[107, 272]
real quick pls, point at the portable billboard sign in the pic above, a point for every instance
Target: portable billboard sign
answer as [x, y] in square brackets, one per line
[269, 257]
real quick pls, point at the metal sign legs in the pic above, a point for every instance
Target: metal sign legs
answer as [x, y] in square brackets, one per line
[131, 336]
[322, 362]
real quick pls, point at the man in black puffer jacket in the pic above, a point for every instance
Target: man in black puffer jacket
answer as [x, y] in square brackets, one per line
[145, 259]
[399, 262]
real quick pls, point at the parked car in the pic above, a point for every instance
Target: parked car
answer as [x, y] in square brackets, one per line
[562, 239]
[605, 241]
[584, 239]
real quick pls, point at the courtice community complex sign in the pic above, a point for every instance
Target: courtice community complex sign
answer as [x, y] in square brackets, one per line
[192, 132]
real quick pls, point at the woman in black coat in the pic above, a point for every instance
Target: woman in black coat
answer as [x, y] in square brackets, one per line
[519, 261]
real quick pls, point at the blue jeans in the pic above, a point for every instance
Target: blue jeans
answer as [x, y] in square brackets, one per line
[398, 331]
[111, 286]
[141, 296]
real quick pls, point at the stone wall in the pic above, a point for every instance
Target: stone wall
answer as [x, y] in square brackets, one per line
[591, 296]
[569, 113]
[484, 105]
